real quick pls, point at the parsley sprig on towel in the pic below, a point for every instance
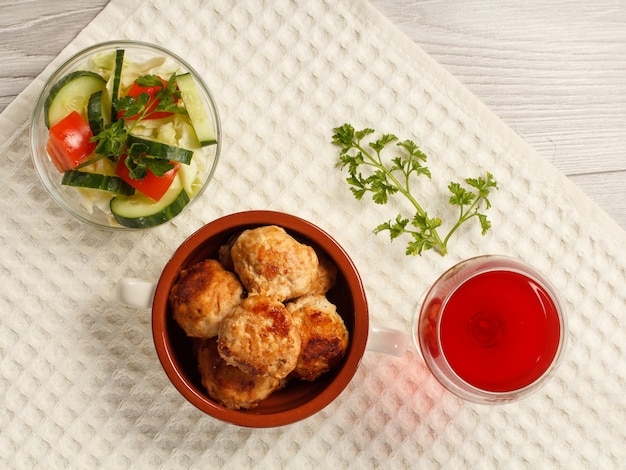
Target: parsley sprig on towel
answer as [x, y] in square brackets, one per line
[368, 173]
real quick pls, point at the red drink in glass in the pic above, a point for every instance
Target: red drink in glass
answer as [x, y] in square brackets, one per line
[491, 329]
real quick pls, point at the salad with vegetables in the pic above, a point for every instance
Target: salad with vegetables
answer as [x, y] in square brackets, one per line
[129, 137]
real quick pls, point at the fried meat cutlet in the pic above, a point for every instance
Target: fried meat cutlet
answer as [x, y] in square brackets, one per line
[229, 385]
[325, 278]
[324, 336]
[260, 337]
[202, 296]
[271, 262]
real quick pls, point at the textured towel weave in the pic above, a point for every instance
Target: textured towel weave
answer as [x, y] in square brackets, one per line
[81, 382]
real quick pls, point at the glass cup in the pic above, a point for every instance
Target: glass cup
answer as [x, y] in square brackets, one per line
[491, 329]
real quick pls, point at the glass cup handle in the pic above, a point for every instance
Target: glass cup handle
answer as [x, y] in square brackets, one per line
[135, 292]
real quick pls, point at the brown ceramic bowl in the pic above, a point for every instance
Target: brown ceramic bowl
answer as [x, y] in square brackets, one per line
[298, 400]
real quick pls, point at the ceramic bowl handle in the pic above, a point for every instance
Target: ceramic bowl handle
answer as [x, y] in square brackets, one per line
[387, 340]
[135, 292]
[139, 293]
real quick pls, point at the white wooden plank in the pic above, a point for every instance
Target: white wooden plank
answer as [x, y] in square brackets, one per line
[555, 71]
[32, 33]
[607, 190]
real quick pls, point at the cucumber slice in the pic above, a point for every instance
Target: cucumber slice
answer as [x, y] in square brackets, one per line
[84, 179]
[98, 112]
[200, 121]
[161, 150]
[71, 93]
[140, 211]
[117, 79]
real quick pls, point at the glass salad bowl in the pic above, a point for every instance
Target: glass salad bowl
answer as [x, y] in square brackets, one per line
[133, 162]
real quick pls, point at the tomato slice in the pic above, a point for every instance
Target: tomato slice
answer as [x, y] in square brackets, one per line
[135, 90]
[152, 186]
[69, 142]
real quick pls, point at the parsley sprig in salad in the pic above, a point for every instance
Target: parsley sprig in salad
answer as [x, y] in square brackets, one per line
[112, 141]
[368, 173]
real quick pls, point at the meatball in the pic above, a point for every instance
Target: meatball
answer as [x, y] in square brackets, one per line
[223, 253]
[271, 262]
[260, 337]
[325, 277]
[202, 296]
[324, 336]
[229, 385]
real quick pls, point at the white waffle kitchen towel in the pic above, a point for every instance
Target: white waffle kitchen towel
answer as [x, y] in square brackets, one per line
[80, 380]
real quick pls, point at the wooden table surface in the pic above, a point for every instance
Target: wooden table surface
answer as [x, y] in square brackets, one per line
[553, 70]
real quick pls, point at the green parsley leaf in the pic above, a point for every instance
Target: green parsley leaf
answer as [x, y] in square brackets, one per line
[149, 80]
[383, 180]
[158, 166]
[138, 166]
[137, 169]
[139, 161]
